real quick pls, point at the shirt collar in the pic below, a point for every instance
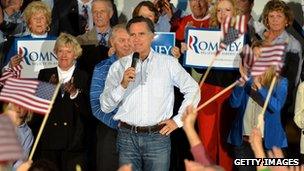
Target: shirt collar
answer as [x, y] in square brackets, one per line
[39, 36]
[282, 38]
[150, 55]
[201, 19]
[107, 31]
[113, 57]
[65, 76]
[81, 3]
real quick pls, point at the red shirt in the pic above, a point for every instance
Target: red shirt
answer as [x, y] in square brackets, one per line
[179, 26]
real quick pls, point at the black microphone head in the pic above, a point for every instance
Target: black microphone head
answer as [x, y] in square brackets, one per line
[135, 57]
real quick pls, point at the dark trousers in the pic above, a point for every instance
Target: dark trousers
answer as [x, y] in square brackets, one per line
[242, 152]
[64, 160]
[107, 155]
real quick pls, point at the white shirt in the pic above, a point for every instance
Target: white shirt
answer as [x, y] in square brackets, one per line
[65, 76]
[299, 113]
[149, 99]
[251, 117]
[89, 8]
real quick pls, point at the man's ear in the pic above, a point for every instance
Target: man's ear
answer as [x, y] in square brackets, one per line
[111, 13]
[111, 42]
[152, 35]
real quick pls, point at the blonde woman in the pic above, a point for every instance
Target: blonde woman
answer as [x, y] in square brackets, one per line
[38, 19]
[63, 138]
[215, 119]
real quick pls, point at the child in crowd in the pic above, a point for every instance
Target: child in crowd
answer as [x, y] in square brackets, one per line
[20, 116]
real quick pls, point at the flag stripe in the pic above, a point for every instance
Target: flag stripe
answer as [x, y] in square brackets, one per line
[21, 103]
[19, 88]
[28, 98]
[25, 83]
[25, 100]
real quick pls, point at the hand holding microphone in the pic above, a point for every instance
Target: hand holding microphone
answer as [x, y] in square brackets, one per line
[129, 74]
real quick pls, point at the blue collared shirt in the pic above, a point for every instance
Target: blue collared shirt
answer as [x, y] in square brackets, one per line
[97, 85]
[26, 139]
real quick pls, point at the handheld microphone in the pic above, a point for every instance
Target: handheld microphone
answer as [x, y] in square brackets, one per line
[135, 58]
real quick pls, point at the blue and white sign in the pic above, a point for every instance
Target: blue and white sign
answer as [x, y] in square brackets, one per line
[202, 45]
[163, 42]
[37, 55]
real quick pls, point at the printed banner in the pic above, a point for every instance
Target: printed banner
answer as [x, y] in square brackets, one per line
[163, 42]
[202, 45]
[37, 55]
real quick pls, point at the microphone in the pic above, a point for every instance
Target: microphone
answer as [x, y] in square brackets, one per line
[135, 58]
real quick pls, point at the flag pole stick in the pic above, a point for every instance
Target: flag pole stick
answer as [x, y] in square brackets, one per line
[205, 76]
[216, 96]
[208, 69]
[44, 122]
[260, 119]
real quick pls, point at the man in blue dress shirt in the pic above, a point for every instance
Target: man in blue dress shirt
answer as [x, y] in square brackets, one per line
[144, 96]
[107, 156]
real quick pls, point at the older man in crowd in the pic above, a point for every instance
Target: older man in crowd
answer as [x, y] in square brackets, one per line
[107, 156]
[102, 11]
[144, 97]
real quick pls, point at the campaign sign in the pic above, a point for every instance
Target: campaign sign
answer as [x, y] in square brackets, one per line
[202, 45]
[163, 42]
[37, 55]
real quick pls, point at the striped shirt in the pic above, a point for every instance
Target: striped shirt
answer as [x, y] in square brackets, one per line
[97, 85]
[149, 99]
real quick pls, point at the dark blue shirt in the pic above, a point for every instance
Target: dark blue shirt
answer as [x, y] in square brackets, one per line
[97, 85]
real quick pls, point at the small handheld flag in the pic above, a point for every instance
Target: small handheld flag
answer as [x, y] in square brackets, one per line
[10, 148]
[32, 94]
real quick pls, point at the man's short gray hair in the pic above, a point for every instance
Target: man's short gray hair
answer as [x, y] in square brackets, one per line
[115, 29]
[109, 2]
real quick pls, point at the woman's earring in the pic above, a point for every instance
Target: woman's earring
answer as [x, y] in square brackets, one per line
[48, 28]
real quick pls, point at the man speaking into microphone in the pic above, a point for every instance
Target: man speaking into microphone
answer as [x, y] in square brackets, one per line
[144, 96]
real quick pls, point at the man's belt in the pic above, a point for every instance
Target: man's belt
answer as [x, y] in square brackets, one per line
[142, 129]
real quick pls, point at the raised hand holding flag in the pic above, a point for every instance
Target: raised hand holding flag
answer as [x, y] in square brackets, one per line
[245, 65]
[13, 72]
[270, 55]
[232, 28]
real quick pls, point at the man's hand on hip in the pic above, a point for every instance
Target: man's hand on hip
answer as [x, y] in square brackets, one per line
[170, 126]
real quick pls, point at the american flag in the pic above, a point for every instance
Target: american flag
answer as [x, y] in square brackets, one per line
[31, 94]
[271, 55]
[247, 58]
[10, 148]
[232, 32]
[10, 72]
